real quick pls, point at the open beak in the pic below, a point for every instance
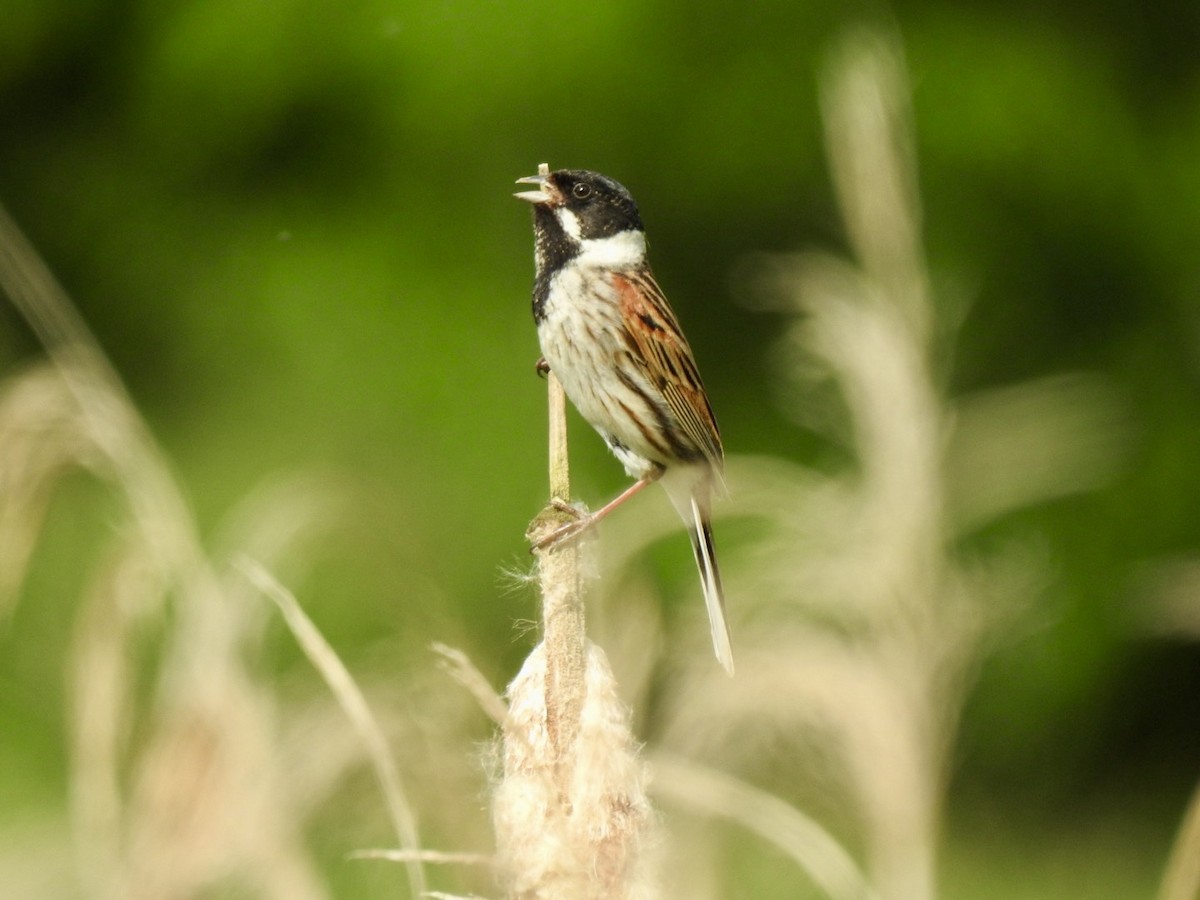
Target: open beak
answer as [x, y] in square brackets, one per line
[545, 192]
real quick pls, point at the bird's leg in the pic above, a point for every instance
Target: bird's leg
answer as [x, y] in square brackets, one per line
[542, 367]
[584, 521]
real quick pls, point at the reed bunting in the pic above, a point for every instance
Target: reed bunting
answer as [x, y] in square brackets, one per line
[609, 335]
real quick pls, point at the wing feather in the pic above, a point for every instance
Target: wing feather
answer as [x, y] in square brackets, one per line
[667, 359]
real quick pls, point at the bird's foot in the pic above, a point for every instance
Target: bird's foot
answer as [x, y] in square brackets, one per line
[580, 521]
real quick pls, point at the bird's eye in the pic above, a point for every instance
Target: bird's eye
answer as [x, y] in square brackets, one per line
[582, 190]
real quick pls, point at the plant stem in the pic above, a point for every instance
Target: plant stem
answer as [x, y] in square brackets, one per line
[563, 628]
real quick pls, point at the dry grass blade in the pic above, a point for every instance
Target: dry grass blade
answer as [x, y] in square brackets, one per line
[1168, 597]
[1036, 440]
[41, 436]
[462, 670]
[113, 424]
[1182, 880]
[101, 716]
[870, 149]
[713, 793]
[438, 857]
[351, 699]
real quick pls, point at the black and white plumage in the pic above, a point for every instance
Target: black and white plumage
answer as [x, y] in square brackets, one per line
[609, 335]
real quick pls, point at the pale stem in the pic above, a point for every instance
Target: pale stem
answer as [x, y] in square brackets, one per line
[563, 628]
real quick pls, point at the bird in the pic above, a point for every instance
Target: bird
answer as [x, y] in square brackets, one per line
[608, 334]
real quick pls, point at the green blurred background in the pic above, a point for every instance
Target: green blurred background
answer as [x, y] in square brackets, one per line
[288, 222]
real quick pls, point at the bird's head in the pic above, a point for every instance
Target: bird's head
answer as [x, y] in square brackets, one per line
[582, 214]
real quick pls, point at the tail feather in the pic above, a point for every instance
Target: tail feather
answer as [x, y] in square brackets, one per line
[710, 578]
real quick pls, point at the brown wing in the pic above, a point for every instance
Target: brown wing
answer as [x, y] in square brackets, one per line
[663, 350]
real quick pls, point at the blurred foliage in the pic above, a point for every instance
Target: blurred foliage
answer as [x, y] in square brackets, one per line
[288, 223]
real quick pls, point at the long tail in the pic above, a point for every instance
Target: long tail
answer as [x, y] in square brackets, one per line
[700, 531]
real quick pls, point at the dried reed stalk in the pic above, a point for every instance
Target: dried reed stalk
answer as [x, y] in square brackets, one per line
[570, 811]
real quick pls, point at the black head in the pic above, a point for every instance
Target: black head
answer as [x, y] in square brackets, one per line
[587, 205]
[602, 206]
